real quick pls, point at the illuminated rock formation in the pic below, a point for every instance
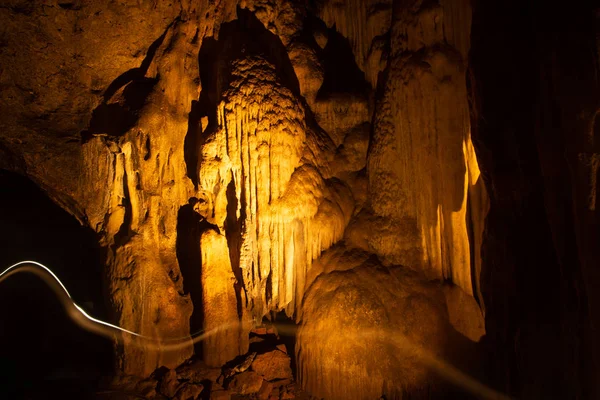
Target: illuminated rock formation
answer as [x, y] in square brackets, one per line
[252, 170]
[395, 331]
[369, 325]
[237, 159]
[422, 167]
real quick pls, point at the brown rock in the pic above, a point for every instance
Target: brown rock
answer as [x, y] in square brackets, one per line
[169, 384]
[248, 382]
[147, 388]
[198, 372]
[281, 383]
[133, 384]
[281, 347]
[271, 330]
[368, 303]
[220, 395]
[287, 395]
[464, 313]
[216, 386]
[256, 339]
[219, 301]
[260, 331]
[265, 390]
[243, 366]
[273, 365]
[189, 391]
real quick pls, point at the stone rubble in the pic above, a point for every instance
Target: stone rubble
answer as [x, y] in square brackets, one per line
[264, 373]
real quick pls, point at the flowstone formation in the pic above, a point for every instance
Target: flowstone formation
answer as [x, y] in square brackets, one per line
[239, 159]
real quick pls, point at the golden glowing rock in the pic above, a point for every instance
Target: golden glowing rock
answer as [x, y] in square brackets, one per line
[127, 124]
[464, 313]
[137, 182]
[421, 164]
[273, 365]
[219, 302]
[252, 168]
[363, 330]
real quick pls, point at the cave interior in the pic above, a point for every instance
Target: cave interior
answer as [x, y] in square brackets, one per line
[311, 199]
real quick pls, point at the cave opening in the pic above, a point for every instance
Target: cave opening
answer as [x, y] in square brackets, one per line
[44, 353]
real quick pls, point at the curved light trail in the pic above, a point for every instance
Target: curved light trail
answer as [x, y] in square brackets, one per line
[103, 328]
[7, 273]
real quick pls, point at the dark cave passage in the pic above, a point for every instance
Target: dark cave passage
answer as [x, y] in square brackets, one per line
[43, 353]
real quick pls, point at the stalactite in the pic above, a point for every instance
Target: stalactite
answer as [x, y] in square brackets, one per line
[288, 213]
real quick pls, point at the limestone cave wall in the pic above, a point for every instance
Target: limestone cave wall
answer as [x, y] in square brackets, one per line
[422, 169]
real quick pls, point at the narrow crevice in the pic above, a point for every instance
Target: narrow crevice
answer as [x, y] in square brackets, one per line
[268, 289]
[147, 149]
[124, 234]
[287, 337]
[233, 233]
[190, 143]
[472, 250]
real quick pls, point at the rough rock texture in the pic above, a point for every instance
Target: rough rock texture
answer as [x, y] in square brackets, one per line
[219, 302]
[81, 103]
[273, 365]
[422, 167]
[188, 391]
[334, 159]
[383, 322]
[197, 372]
[216, 151]
[248, 382]
[464, 313]
[275, 207]
[169, 385]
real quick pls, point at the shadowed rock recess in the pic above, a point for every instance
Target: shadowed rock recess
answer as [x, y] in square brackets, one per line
[367, 199]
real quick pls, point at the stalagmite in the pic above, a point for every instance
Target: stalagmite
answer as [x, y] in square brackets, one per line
[421, 161]
[219, 302]
[368, 325]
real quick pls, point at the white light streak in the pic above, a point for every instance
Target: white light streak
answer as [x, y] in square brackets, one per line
[89, 323]
[39, 265]
[95, 325]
